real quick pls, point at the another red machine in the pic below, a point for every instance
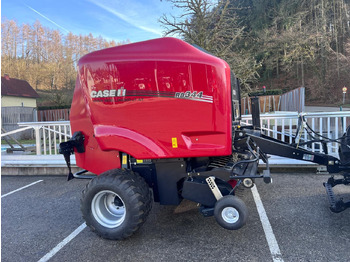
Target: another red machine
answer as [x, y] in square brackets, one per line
[160, 120]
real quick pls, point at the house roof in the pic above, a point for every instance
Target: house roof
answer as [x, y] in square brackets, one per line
[17, 87]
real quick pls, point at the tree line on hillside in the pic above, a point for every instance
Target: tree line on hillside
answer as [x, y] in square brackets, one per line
[281, 44]
[278, 43]
[45, 58]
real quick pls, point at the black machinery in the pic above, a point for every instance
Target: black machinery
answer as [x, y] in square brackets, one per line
[341, 166]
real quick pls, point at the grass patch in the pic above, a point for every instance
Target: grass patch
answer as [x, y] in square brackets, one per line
[23, 142]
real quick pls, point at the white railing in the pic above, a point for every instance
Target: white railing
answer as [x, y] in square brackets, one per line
[48, 135]
[280, 125]
[283, 126]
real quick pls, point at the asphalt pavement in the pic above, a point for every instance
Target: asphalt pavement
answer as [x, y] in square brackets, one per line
[36, 220]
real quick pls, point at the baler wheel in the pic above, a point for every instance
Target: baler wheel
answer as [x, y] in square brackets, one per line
[116, 203]
[230, 212]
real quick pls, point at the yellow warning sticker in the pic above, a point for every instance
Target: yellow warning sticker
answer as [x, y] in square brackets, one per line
[174, 142]
[139, 161]
[125, 159]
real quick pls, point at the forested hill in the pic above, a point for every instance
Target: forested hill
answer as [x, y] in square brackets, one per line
[46, 58]
[301, 43]
[281, 44]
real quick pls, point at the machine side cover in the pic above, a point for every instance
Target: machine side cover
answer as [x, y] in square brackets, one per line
[161, 98]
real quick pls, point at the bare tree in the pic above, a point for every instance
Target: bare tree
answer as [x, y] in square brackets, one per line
[213, 27]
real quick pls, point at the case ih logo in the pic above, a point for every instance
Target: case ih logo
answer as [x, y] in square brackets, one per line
[108, 93]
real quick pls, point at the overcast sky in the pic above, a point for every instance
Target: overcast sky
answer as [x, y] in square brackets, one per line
[117, 20]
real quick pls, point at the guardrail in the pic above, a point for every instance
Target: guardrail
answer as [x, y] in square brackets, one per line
[48, 135]
[283, 126]
[280, 125]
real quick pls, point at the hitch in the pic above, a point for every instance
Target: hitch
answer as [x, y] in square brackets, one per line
[67, 149]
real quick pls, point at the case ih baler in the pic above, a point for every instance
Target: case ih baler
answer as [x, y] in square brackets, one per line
[164, 115]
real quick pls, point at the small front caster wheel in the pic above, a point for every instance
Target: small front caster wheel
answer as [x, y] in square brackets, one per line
[230, 212]
[248, 182]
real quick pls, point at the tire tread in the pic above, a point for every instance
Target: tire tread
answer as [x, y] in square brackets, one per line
[134, 187]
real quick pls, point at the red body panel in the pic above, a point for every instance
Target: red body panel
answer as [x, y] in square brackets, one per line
[160, 98]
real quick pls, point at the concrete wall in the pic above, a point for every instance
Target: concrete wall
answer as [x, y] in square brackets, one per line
[35, 171]
[7, 101]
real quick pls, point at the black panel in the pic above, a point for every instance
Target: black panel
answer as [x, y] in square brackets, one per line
[255, 112]
[169, 173]
[235, 98]
[148, 172]
[197, 190]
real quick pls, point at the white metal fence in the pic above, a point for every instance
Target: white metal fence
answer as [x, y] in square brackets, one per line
[283, 126]
[280, 125]
[48, 135]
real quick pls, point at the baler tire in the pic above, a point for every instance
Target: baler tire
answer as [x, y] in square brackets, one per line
[230, 212]
[147, 192]
[115, 204]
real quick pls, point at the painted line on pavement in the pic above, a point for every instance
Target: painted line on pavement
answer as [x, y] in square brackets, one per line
[270, 236]
[19, 189]
[63, 243]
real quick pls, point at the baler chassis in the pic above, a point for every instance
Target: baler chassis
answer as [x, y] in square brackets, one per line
[159, 120]
[212, 182]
